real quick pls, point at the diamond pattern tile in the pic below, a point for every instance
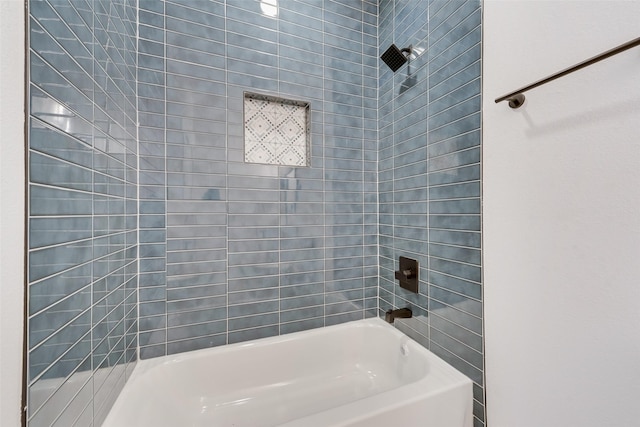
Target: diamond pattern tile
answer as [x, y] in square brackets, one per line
[276, 131]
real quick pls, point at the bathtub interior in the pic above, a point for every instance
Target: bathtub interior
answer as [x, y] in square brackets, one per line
[284, 380]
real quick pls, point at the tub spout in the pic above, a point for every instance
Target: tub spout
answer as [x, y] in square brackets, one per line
[403, 313]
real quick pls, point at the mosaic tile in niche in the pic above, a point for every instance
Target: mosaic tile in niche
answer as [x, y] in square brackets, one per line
[276, 130]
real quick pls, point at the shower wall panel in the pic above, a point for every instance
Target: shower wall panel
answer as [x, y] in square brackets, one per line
[233, 250]
[226, 250]
[429, 176]
[82, 230]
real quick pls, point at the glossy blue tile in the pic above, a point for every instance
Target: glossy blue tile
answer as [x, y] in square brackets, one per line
[429, 169]
[196, 331]
[454, 144]
[338, 318]
[455, 331]
[277, 236]
[455, 222]
[211, 31]
[188, 15]
[455, 191]
[55, 316]
[298, 302]
[149, 32]
[301, 325]
[50, 201]
[70, 341]
[196, 343]
[51, 82]
[80, 78]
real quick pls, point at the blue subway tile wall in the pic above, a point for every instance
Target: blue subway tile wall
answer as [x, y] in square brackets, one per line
[429, 177]
[153, 178]
[82, 258]
[143, 215]
[196, 176]
[234, 251]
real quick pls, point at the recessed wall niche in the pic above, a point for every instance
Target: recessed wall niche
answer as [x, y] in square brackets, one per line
[277, 131]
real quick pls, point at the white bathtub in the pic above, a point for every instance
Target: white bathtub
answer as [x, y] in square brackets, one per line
[364, 373]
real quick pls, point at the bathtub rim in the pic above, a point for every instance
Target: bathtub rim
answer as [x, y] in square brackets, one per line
[145, 365]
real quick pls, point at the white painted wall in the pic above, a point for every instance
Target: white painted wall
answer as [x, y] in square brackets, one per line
[562, 216]
[11, 208]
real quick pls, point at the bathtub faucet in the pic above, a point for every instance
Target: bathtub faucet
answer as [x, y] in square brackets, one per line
[403, 313]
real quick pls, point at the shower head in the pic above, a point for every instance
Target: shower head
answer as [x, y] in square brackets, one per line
[395, 57]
